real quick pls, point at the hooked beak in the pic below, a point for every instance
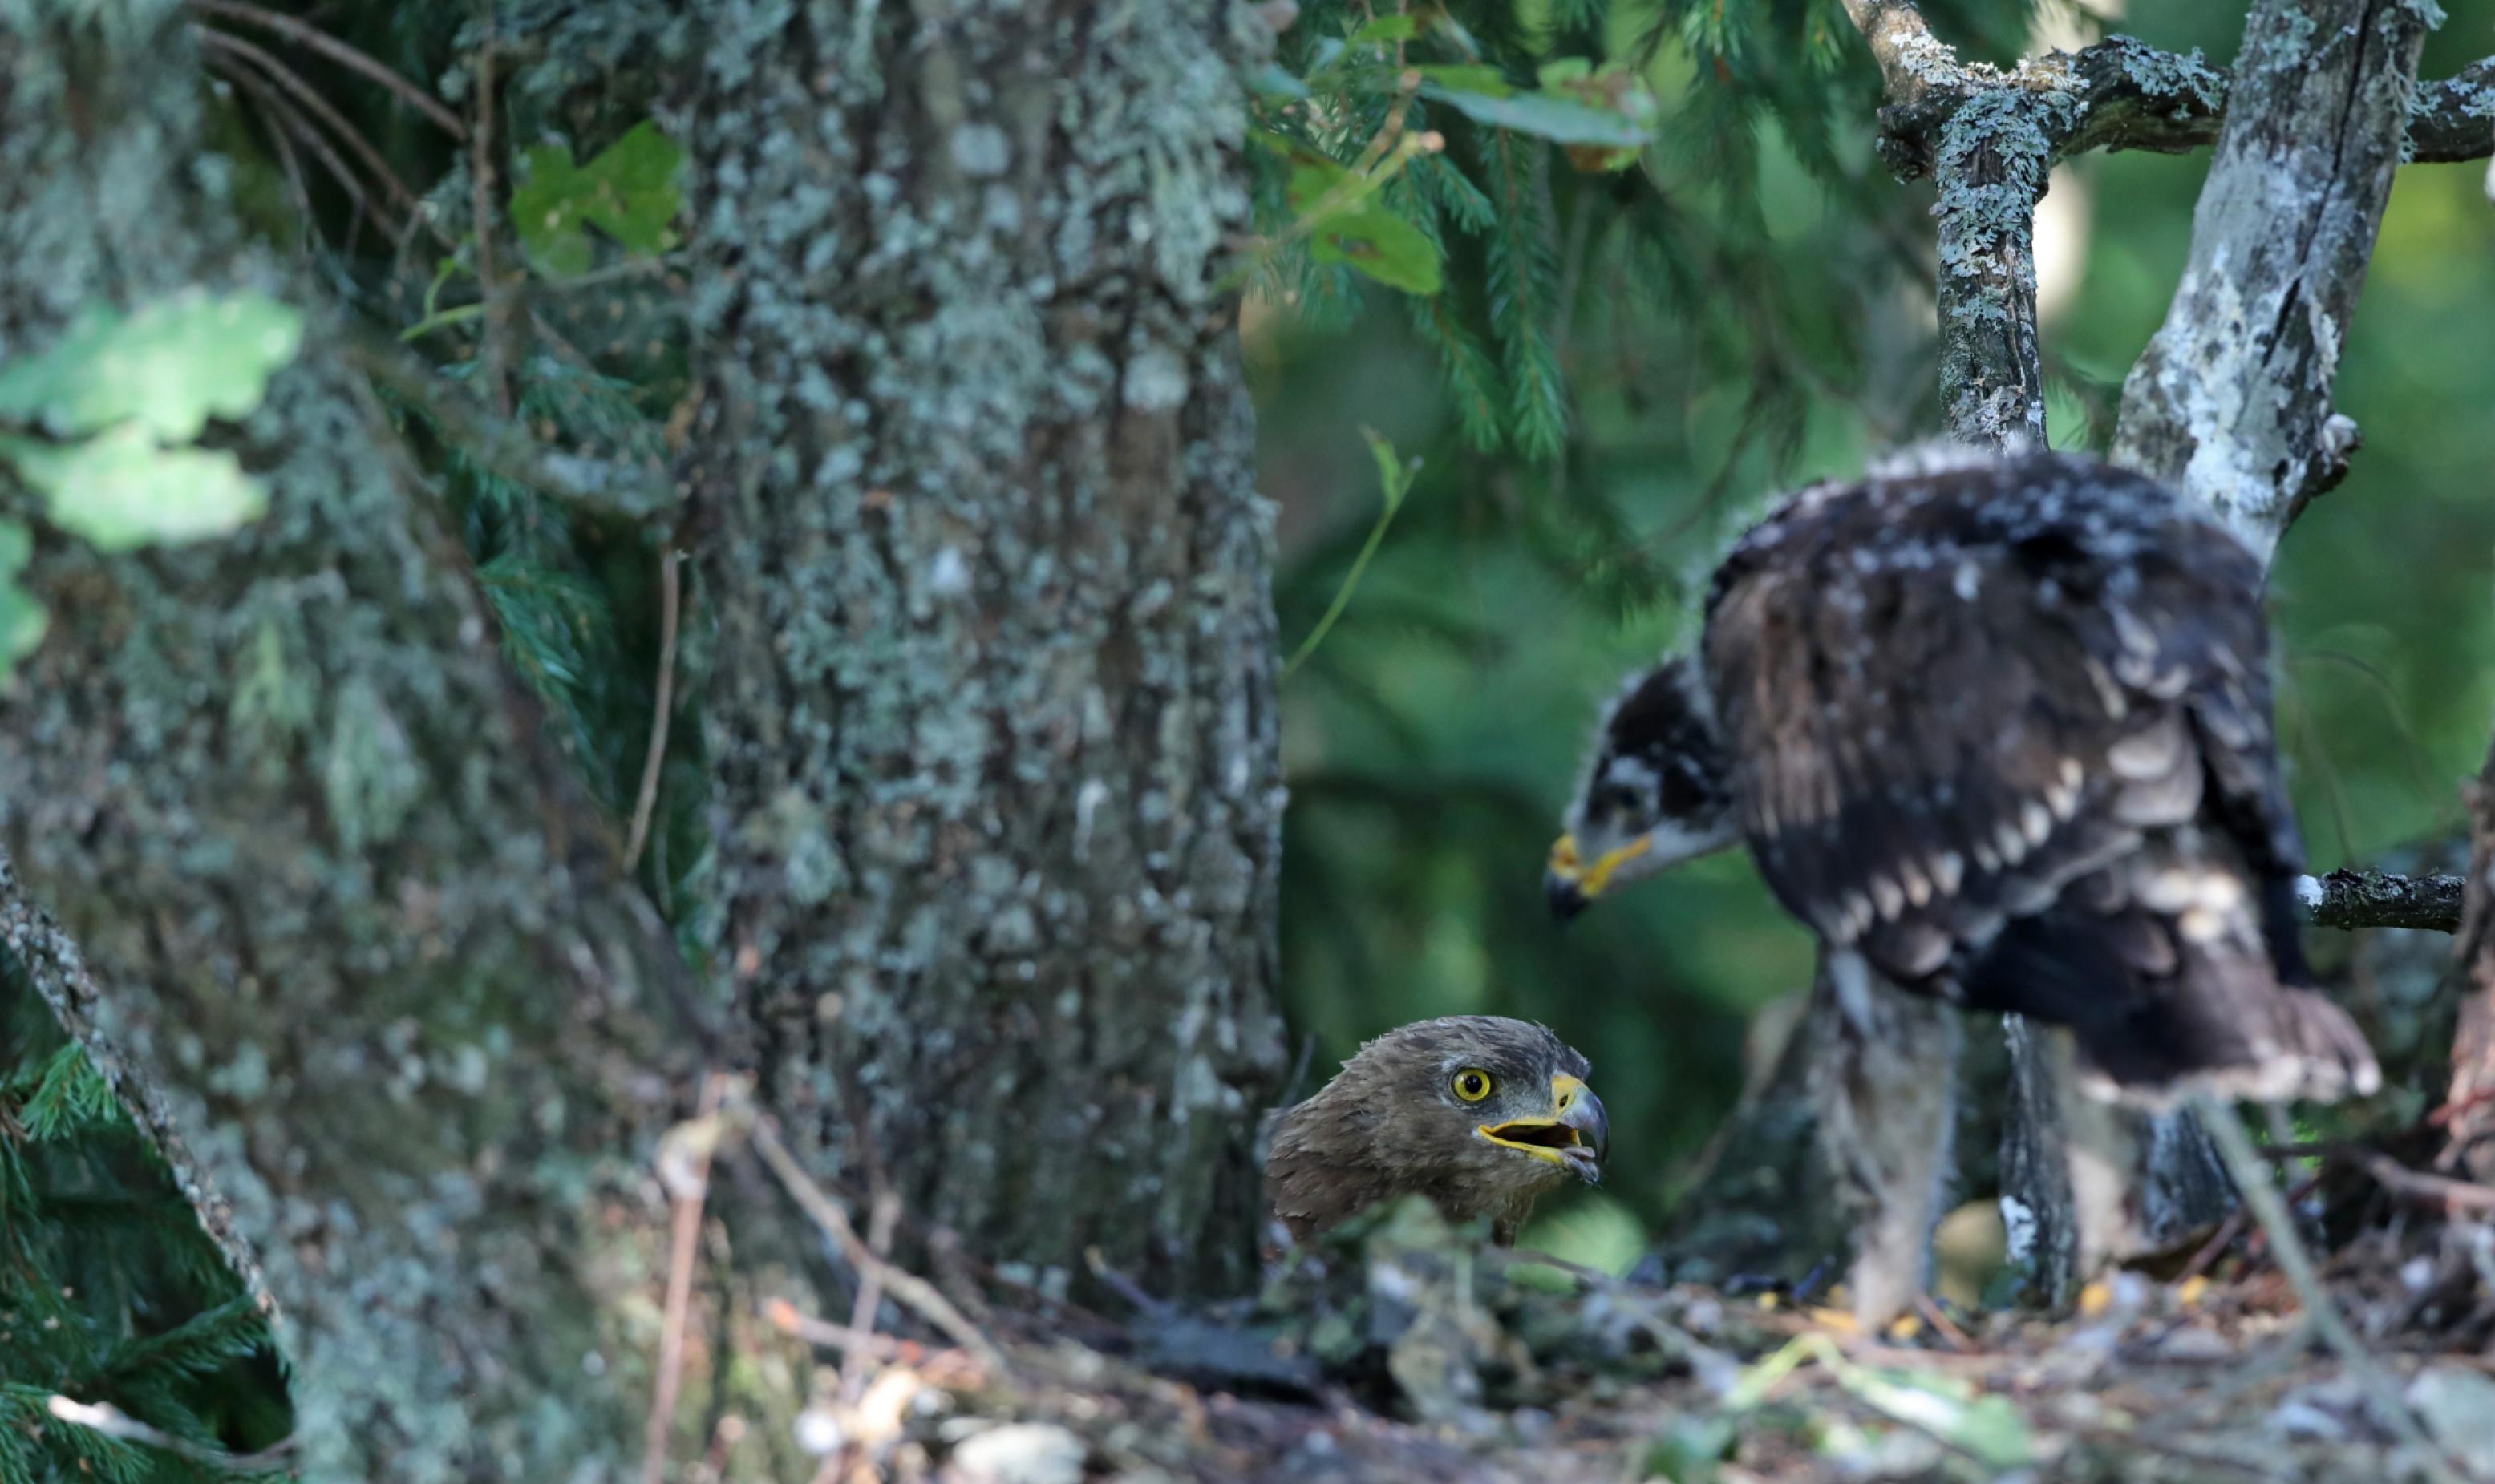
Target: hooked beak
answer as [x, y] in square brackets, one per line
[1571, 885]
[1577, 1137]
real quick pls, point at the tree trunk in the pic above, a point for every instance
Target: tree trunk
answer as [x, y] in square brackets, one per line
[322, 902]
[990, 697]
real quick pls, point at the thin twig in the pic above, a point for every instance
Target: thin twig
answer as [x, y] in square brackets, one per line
[112, 1422]
[687, 1175]
[881, 1217]
[284, 119]
[340, 53]
[2434, 1190]
[850, 1340]
[2286, 1250]
[310, 98]
[907, 1288]
[670, 602]
[481, 205]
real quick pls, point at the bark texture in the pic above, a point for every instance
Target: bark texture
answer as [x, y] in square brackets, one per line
[319, 902]
[990, 695]
[2231, 402]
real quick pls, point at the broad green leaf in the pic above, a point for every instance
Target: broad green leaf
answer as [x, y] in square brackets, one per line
[1550, 116]
[22, 617]
[1470, 78]
[1387, 28]
[120, 489]
[628, 191]
[1382, 245]
[170, 366]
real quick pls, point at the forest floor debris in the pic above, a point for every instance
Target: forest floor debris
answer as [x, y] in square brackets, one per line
[1404, 1352]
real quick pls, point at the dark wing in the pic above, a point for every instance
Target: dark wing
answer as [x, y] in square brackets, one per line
[1948, 699]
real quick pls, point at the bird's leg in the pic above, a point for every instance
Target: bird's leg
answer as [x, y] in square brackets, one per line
[1885, 1077]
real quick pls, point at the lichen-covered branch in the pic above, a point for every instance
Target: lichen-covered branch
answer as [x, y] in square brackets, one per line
[1990, 172]
[2232, 401]
[2122, 93]
[2347, 898]
[1913, 62]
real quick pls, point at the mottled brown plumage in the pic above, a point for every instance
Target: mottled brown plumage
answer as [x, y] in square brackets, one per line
[2000, 728]
[1401, 1119]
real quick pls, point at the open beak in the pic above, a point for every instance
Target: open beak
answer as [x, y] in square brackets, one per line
[1577, 1137]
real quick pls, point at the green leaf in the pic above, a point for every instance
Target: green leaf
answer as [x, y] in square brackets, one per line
[170, 366]
[1468, 77]
[629, 193]
[1382, 245]
[1560, 119]
[121, 489]
[1387, 28]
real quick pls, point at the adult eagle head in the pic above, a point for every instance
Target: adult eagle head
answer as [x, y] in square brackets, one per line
[1479, 1113]
[1998, 730]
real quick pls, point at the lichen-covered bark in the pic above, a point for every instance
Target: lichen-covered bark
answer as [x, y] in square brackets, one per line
[2231, 402]
[989, 698]
[325, 910]
[1990, 170]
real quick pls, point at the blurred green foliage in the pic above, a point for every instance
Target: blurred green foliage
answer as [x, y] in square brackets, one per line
[1748, 308]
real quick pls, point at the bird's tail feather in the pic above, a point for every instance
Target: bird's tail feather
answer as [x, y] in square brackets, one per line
[2172, 984]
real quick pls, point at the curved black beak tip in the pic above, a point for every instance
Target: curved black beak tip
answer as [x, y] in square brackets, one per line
[1566, 900]
[1593, 1128]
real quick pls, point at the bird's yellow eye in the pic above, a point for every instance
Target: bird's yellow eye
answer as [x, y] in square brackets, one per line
[1472, 1084]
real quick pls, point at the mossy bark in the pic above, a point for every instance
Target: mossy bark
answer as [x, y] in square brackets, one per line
[988, 687]
[327, 910]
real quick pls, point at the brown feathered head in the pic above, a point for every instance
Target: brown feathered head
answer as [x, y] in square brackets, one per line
[1479, 1113]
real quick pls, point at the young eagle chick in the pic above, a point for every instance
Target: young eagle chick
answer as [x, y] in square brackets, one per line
[1998, 729]
[1479, 1113]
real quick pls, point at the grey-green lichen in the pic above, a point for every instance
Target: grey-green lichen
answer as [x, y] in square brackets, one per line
[327, 915]
[1989, 170]
[2169, 80]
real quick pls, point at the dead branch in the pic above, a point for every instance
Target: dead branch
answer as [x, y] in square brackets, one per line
[905, 1287]
[684, 1167]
